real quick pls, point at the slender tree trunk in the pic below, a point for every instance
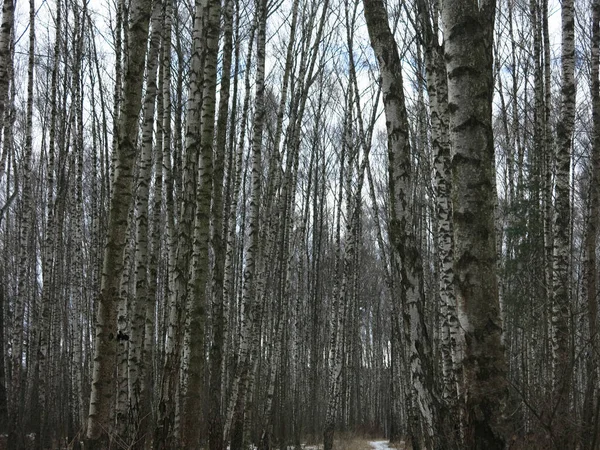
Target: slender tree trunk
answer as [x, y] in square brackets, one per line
[48, 290]
[189, 245]
[22, 299]
[279, 217]
[250, 300]
[452, 341]
[337, 313]
[228, 279]
[591, 239]
[180, 235]
[218, 236]
[121, 415]
[4, 422]
[408, 266]
[561, 353]
[550, 162]
[193, 401]
[170, 373]
[79, 219]
[140, 298]
[6, 34]
[106, 333]
[151, 351]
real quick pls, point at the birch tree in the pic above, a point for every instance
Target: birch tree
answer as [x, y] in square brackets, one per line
[200, 259]
[218, 234]
[251, 304]
[6, 37]
[590, 280]
[407, 259]
[48, 291]
[137, 365]
[468, 33]
[25, 273]
[561, 362]
[106, 335]
[261, 292]
[452, 342]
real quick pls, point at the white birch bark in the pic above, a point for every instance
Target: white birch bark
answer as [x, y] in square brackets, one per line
[228, 279]
[251, 305]
[468, 33]
[150, 348]
[79, 218]
[105, 336]
[140, 296]
[121, 416]
[6, 34]
[282, 244]
[23, 295]
[590, 283]
[452, 340]
[339, 295]
[199, 280]
[187, 245]
[217, 238]
[48, 292]
[170, 373]
[550, 163]
[407, 267]
[561, 359]
[118, 32]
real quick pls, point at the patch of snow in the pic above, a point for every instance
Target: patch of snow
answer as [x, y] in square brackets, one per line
[381, 445]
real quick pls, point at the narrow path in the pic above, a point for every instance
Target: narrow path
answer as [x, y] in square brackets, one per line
[382, 445]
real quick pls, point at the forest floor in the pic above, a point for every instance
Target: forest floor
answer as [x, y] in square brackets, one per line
[359, 444]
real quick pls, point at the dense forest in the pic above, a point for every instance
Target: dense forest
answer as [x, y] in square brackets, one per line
[266, 223]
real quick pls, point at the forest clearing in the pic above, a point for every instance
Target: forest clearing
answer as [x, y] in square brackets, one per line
[262, 224]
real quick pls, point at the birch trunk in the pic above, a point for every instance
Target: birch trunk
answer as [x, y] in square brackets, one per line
[121, 416]
[187, 244]
[337, 307]
[78, 303]
[408, 266]
[79, 216]
[141, 296]
[151, 350]
[23, 294]
[4, 409]
[218, 235]
[48, 290]
[6, 34]
[452, 341]
[178, 237]
[561, 353]
[117, 93]
[250, 300]
[193, 401]
[228, 279]
[468, 31]
[105, 336]
[590, 280]
[279, 225]
[550, 162]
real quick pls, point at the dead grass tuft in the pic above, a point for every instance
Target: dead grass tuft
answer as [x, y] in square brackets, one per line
[351, 444]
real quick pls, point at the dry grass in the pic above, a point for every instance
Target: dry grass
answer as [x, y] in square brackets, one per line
[351, 444]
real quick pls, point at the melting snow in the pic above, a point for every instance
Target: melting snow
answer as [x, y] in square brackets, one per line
[381, 445]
